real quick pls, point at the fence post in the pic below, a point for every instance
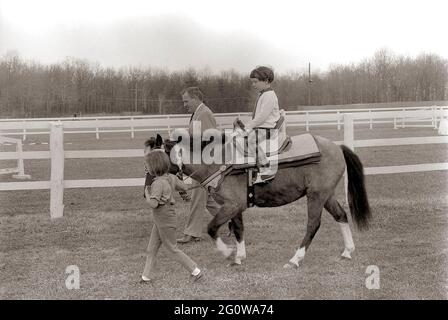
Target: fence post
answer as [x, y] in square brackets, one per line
[57, 171]
[20, 167]
[348, 131]
[97, 130]
[349, 142]
[24, 131]
[434, 117]
[132, 128]
[169, 126]
[339, 120]
[402, 118]
[371, 123]
[307, 122]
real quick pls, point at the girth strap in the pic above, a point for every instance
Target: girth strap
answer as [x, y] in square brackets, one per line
[213, 179]
[250, 188]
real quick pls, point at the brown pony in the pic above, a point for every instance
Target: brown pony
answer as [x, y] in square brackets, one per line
[315, 181]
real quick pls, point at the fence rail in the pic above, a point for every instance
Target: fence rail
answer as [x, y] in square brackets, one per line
[58, 155]
[399, 117]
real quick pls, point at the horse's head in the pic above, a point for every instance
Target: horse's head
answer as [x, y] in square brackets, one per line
[183, 150]
[170, 148]
[153, 144]
[174, 151]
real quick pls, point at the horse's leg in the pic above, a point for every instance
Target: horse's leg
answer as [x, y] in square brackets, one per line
[339, 214]
[226, 213]
[315, 206]
[238, 230]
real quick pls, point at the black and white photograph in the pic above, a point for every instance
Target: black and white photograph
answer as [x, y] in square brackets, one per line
[238, 151]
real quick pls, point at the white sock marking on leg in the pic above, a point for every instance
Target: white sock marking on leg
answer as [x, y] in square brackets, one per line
[298, 256]
[240, 250]
[226, 251]
[347, 235]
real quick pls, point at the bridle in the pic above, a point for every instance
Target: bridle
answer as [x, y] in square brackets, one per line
[179, 164]
[211, 180]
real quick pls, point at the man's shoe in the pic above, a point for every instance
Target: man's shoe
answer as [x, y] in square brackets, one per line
[197, 277]
[187, 238]
[145, 280]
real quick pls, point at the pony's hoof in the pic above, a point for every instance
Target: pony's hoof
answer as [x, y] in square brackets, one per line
[346, 255]
[291, 265]
[234, 264]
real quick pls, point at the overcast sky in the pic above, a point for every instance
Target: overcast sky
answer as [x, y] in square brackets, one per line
[224, 34]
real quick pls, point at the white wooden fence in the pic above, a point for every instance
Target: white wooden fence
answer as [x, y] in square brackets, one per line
[402, 117]
[19, 170]
[58, 155]
[352, 143]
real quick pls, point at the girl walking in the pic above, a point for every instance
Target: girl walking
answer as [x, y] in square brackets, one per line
[159, 196]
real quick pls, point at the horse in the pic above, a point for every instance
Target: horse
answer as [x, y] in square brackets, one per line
[316, 181]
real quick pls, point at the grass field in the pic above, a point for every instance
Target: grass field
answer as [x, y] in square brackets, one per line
[105, 231]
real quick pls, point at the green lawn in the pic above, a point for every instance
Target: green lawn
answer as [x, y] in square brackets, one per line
[105, 231]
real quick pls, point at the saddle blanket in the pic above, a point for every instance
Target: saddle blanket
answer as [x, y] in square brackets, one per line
[302, 147]
[302, 150]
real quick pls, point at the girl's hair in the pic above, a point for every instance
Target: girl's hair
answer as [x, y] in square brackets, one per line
[157, 162]
[263, 74]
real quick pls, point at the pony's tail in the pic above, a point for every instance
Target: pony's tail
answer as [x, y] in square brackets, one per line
[357, 195]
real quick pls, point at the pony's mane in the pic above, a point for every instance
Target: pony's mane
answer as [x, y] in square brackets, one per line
[154, 142]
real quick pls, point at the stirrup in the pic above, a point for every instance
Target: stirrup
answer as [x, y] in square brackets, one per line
[263, 178]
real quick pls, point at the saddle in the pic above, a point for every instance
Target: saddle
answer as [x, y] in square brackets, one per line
[295, 151]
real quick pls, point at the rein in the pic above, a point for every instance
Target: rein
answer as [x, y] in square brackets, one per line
[189, 176]
[207, 180]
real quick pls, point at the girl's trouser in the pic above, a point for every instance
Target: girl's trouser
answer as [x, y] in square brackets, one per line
[167, 236]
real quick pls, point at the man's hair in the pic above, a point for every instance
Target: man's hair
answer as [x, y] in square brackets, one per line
[194, 92]
[263, 74]
[158, 163]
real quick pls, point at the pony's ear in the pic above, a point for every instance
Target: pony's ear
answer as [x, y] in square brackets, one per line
[179, 139]
[159, 141]
[150, 143]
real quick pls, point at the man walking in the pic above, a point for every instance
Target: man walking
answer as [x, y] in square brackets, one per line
[193, 98]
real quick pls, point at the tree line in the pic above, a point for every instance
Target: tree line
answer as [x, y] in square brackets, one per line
[76, 86]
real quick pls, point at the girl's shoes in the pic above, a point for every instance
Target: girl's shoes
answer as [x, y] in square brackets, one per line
[145, 280]
[197, 277]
